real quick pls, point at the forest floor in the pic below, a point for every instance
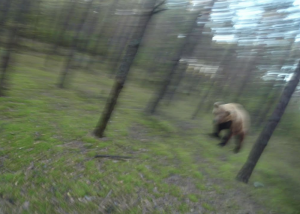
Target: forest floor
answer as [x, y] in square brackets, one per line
[47, 162]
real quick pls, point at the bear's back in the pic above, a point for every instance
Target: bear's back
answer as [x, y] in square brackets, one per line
[239, 116]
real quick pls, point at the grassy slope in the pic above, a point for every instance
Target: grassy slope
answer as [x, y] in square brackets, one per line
[47, 151]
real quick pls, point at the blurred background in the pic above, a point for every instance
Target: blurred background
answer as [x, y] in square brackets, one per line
[65, 62]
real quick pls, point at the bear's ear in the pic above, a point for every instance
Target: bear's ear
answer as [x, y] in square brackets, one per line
[217, 104]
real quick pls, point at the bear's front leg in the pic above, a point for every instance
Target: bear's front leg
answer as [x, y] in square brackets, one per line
[226, 139]
[215, 134]
[216, 131]
[219, 127]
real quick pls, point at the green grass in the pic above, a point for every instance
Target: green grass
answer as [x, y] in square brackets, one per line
[47, 152]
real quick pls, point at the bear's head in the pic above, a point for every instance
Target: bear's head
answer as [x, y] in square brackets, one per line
[221, 113]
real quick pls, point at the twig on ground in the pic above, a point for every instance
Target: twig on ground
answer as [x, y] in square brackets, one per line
[108, 194]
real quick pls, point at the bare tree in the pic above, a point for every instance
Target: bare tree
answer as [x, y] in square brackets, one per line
[263, 139]
[126, 63]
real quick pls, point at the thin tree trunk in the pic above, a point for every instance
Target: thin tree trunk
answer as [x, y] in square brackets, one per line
[12, 41]
[154, 102]
[191, 48]
[109, 108]
[268, 107]
[90, 31]
[262, 141]
[126, 63]
[97, 43]
[116, 37]
[59, 38]
[37, 19]
[203, 99]
[161, 93]
[65, 72]
[122, 42]
[4, 16]
[177, 81]
[195, 80]
[257, 114]
[3, 77]
[243, 86]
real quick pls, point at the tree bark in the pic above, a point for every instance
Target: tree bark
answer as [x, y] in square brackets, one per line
[126, 63]
[262, 141]
[109, 108]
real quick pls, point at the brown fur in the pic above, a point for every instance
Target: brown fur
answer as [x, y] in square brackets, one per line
[239, 117]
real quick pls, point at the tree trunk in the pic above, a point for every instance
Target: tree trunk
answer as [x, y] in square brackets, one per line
[124, 37]
[65, 72]
[177, 81]
[59, 38]
[268, 106]
[12, 41]
[91, 28]
[194, 34]
[154, 103]
[37, 19]
[161, 93]
[203, 99]
[101, 27]
[110, 105]
[126, 63]
[4, 15]
[6, 55]
[267, 132]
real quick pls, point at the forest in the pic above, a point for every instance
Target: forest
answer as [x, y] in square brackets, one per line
[106, 106]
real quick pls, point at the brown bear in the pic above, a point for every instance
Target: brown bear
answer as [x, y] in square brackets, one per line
[235, 118]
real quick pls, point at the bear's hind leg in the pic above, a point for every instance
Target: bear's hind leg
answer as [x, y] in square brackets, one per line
[240, 140]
